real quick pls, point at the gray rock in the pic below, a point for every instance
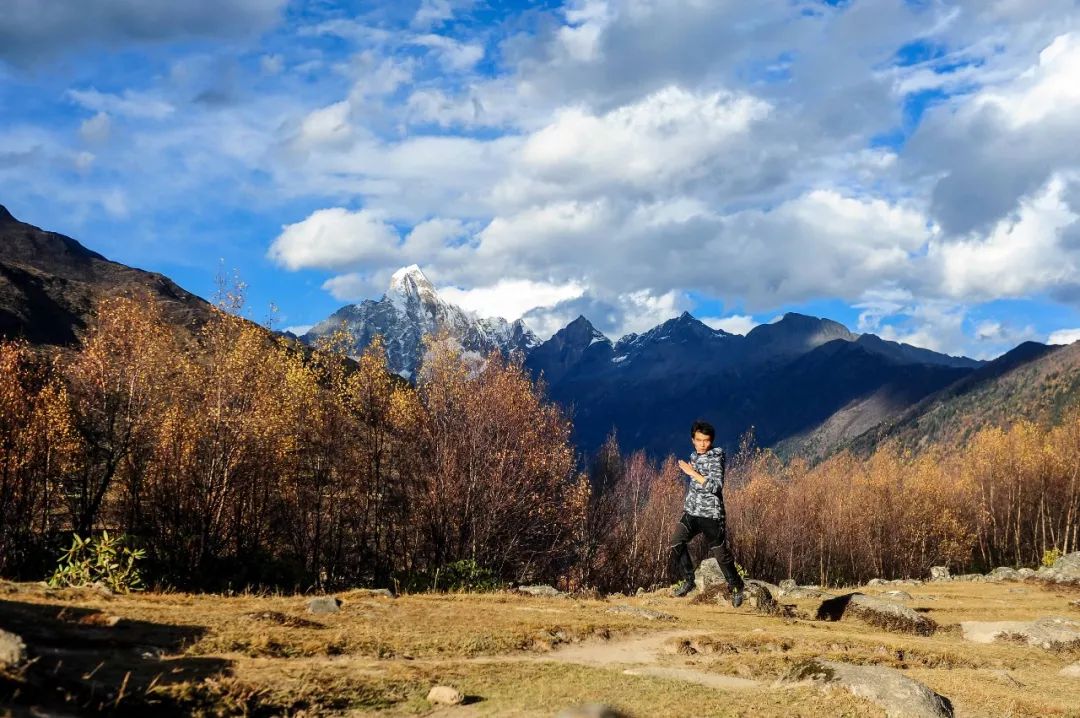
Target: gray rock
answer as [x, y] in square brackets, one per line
[897, 595]
[708, 575]
[898, 695]
[786, 585]
[324, 604]
[876, 582]
[12, 650]
[1043, 632]
[939, 573]
[445, 695]
[760, 596]
[1025, 572]
[1003, 573]
[970, 577]
[1068, 566]
[540, 590]
[807, 592]
[879, 612]
[371, 593]
[646, 613]
[591, 710]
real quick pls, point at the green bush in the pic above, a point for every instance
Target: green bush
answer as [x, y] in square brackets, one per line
[1050, 556]
[107, 561]
[463, 575]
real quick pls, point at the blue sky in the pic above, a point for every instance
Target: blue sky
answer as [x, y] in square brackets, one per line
[907, 168]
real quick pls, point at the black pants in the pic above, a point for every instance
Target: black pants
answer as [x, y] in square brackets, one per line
[690, 526]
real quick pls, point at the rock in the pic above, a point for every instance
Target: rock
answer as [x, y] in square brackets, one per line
[807, 592]
[897, 595]
[876, 582]
[646, 613]
[1068, 566]
[591, 710]
[760, 597]
[445, 695]
[971, 577]
[878, 612]
[1025, 572]
[324, 604]
[939, 573]
[1071, 671]
[786, 585]
[541, 590]
[12, 650]
[1043, 632]
[898, 695]
[640, 591]
[1003, 573]
[708, 574]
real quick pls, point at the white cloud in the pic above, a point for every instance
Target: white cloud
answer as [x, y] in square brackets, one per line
[1064, 336]
[299, 329]
[138, 105]
[326, 126]
[454, 55]
[96, 129]
[734, 324]
[435, 12]
[511, 298]
[334, 239]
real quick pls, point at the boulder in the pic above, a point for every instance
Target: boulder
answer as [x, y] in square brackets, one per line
[1069, 565]
[895, 693]
[445, 695]
[971, 577]
[1043, 632]
[324, 604]
[1003, 573]
[760, 597]
[807, 592]
[541, 590]
[12, 650]
[884, 614]
[897, 595]
[939, 573]
[876, 582]
[646, 613]
[708, 574]
[786, 585]
[1025, 572]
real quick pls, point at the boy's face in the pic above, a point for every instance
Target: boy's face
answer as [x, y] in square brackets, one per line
[702, 442]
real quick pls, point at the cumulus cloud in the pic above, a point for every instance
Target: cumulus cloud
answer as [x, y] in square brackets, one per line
[734, 324]
[1064, 336]
[334, 239]
[96, 129]
[511, 298]
[32, 31]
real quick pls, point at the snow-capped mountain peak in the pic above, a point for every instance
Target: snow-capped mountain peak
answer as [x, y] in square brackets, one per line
[411, 309]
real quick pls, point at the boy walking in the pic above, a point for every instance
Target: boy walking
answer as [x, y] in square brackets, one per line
[703, 512]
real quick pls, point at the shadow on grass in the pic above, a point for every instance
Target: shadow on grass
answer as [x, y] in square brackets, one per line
[88, 662]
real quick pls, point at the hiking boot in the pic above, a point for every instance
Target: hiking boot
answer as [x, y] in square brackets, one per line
[737, 596]
[684, 588]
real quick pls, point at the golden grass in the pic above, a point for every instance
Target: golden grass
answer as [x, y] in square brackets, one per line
[249, 655]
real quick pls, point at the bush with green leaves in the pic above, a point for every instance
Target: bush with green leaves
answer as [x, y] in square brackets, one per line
[106, 560]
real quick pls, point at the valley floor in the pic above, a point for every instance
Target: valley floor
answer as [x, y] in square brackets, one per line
[510, 655]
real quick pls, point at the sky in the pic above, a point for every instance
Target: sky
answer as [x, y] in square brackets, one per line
[910, 168]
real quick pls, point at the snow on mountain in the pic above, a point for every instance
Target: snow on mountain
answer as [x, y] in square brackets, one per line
[411, 309]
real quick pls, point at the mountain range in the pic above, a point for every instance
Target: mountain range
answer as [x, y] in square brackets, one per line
[806, 385]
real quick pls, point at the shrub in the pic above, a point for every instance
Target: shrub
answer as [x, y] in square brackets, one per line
[107, 561]
[1050, 556]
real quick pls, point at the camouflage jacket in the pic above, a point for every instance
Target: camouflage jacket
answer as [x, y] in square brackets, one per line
[706, 500]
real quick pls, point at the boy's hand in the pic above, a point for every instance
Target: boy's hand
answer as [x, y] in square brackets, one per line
[689, 471]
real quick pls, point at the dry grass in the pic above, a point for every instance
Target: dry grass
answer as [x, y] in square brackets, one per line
[180, 654]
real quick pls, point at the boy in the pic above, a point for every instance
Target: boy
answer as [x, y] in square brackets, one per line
[703, 512]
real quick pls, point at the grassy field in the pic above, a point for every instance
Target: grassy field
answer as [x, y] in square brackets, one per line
[181, 654]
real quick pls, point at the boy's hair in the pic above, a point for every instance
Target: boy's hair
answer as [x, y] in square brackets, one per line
[703, 427]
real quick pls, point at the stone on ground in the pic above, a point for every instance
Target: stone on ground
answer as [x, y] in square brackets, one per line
[646, 613]
[898, 695]
[708, 574]
[760, 597]
[445, 695]
[324, 604]
[878, 612]
[1043, 632]
[540, 590]
[897, 595]
[12, 650]
[939, 573]
[1003, 573]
